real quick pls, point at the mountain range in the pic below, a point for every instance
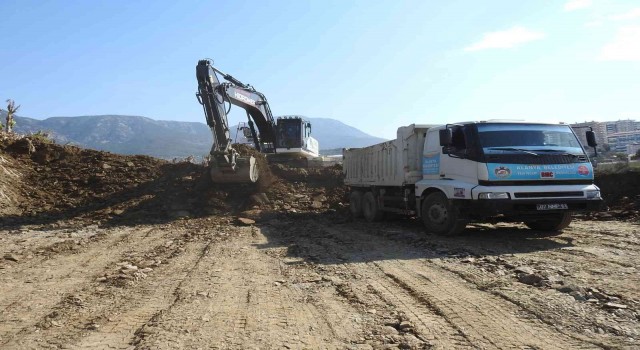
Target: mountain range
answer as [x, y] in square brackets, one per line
[167, 139]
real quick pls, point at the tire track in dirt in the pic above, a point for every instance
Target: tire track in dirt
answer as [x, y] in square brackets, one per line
[241, 299]
[374, 289]
[153, 296]
[581, 262]
[111, 311]
[590, 322]
[485, 320]
[558, 310]
[97, 303]
[28, 293]
[429, 326]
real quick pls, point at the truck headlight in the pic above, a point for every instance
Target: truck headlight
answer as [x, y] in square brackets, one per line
[493, 195]
[594, 194]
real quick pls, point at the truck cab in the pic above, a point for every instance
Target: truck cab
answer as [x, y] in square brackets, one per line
[535, 173]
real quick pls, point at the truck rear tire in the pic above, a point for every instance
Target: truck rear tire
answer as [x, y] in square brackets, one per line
[440, 216]
[555, 222]
[355, 204]
[370, 208]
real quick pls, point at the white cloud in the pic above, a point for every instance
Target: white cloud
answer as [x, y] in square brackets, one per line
[624, 47]
[573, 5]
[632, 14]
[505, 39]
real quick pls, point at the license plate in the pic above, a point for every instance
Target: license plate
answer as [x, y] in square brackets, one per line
[560, 206]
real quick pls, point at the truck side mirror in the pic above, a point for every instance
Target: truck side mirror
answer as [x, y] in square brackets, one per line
[445, 137]
[591, 139]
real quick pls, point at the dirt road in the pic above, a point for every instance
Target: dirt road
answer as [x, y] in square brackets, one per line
[318, 281]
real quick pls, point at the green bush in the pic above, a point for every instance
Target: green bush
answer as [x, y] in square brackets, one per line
[41, 136]
[613, 168]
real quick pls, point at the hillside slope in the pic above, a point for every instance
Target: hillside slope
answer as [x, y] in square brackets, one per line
[166, 139]
[125, 134]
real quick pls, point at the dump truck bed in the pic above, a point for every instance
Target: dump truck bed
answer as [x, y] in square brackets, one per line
[392, 163]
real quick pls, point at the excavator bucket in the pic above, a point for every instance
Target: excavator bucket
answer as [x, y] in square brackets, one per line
[246, 171]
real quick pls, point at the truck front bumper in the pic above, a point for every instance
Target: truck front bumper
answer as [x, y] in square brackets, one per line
[509, 207]
[531, 199]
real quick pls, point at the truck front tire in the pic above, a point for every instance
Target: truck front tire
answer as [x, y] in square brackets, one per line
[355, 204]
[370, 208]
[552, 222]
[440, 216]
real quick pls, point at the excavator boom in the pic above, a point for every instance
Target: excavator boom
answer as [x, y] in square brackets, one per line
[226, 165]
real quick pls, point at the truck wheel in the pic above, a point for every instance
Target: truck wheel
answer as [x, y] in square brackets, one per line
[440, 216]
[370, 208]
[355, 204]
[550, 222]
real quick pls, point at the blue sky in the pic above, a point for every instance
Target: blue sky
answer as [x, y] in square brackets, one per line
[375, 65]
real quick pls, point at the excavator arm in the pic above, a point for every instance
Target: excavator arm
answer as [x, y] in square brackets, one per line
[258, 112]
[226, 165]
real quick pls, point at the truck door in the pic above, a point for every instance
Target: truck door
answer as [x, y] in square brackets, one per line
[431, 156]
[455, 162]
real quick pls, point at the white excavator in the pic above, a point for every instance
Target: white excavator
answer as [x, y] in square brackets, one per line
[288, 137]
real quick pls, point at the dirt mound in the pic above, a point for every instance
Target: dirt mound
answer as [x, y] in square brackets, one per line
[48, 182]
[313, 189]
[291, 189]
[621, 193]
[58, 180]
[10, 185]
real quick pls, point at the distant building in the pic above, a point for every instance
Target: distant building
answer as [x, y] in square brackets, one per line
[618, 134]
[599, 128]
[622, 126]
[633, 148]
[620, 140]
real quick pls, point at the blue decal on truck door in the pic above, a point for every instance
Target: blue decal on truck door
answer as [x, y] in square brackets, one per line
[431, 164]
[540, 171]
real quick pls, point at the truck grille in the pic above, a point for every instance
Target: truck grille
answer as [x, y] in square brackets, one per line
[548, 194]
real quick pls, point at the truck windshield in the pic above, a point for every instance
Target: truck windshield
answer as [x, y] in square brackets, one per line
[528, 138]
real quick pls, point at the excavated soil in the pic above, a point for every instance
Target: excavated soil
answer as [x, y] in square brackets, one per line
[99, 250]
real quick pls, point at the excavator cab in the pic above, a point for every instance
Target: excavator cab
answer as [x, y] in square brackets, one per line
[290, 133]
[294, 137]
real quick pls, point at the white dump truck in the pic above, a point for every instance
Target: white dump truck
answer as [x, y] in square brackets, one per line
[488, 171]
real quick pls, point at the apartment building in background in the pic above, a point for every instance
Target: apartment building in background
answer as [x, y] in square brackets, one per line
[621, 135]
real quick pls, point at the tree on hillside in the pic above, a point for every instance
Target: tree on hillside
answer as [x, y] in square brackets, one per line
[11, 112]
